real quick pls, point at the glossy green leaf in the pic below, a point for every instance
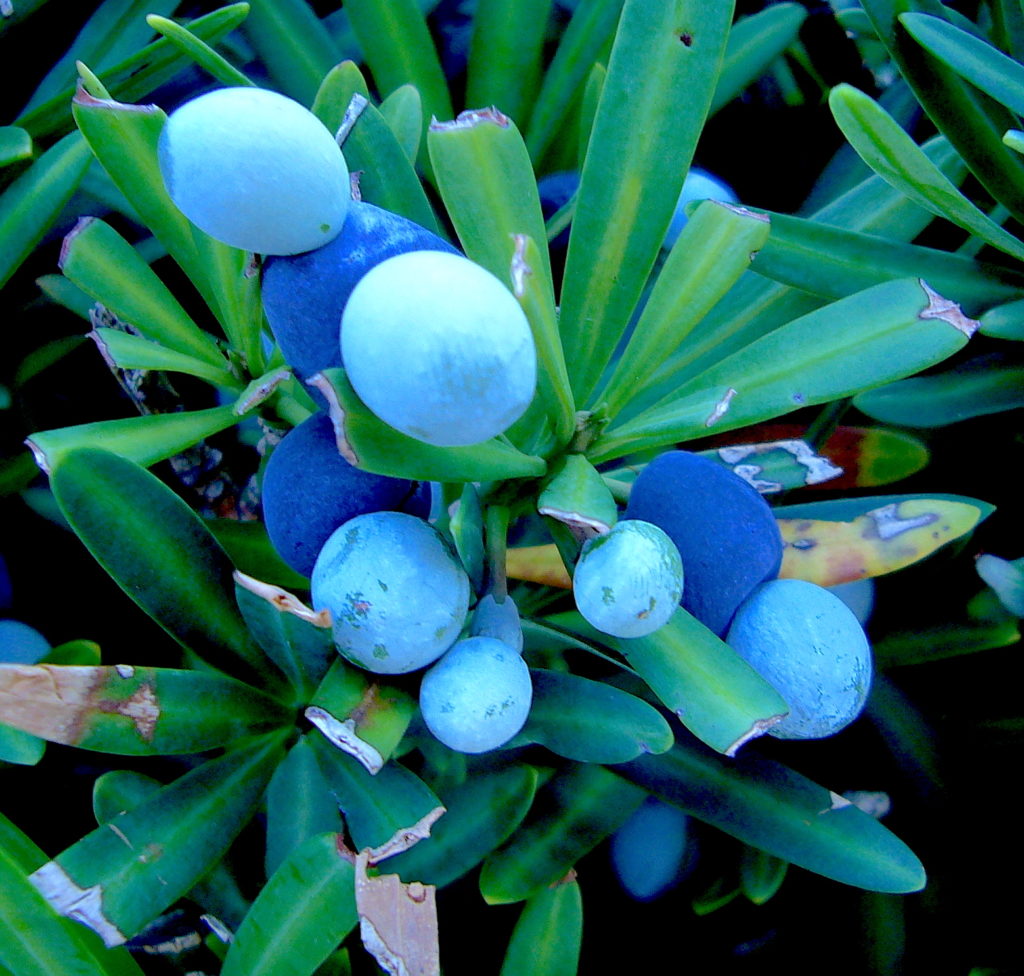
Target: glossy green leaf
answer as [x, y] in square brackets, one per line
[664, 56]
[587, 113]
[146, 858]
[299, 805]
[485, 178]
[761, 875]
[713, 250]
[159, 552]
[1004, 321]
[145, 439]
[19, 847]
[954, 638]
[19, 747]
[833, 262]
[31, 204]
[548, 935]
[250, 549]
[577, 496]
[134, 711]
[403, 112]
[73, 652]
[467, 529]
[754, 42]
[376, 807]
[124, 350]
[971, 389]
[15, 145]
[591, 27]
[768, 806]
[334, 97]
[481, 813]
[505, 55]
[591, 721]
[891, 153]
[136, 75]
[571, 815]
[879, 334]
[373, 445]
[199, 51]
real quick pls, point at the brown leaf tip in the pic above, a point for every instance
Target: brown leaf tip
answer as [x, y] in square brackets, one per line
[337, 414]
[759, 728]
[83, 98]
[948, 311]
[69, 239]
[742, 211]
[471, 118]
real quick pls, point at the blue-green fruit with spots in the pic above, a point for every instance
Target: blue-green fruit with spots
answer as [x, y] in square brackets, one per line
[628, 581]
[806, 643]
[477, 696]
[395, 590]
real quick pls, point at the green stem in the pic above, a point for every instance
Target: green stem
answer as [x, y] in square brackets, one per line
[496, 519]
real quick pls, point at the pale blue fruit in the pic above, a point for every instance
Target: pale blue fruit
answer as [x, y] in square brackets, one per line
[477, 696]
[21, 644]
[649, 850]
[396, 592]
[807, 644]
[255, 170]
[438, 348]
[628, 581]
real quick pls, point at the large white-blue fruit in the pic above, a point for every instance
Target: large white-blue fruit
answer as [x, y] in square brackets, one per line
[438, 348]
[629, 580]
[255, 170]
[806, 643]
[396, 592]
[477, 696]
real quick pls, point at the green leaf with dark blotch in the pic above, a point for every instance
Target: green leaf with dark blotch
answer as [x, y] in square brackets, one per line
[31, 204]
[399, 50]
[136, 75]
[768, 806]
[664, 56]
[577, 496]
[761, 875]
[482, 812]
[571, 815]
[833, 263]
[375, 807]
[145, 859]
[299, 805]
[973, 122]
[134, 711]
[467, 529]
[199, 51]
[1004, 321]
[505, 55]
[250, 549]
[754, 42]
[718, 696]
[847, 509]
[891, 153]
[486, 181]
[159, 552]
[877, 335]
[548, 935]
[590, 721]
[124, 350]
[15, 145]
[374, 446]
[308, 906]
[972, 389]
[144, 440]
[589, 31]
[403, 112]
[708, 258]
[18, 747]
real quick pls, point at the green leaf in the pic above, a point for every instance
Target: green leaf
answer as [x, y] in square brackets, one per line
[159, 552]
[548, 935]
[768, 806]
[32, 203]
[15, 145]
[371, 444]
[19, 847]
[146, 858]
[250, 549]
[134, 711]
[505, 55]
[577, 496]
[761, 875]
[754, 43]
[891, 153]
[308, 906]
[664, 56]
[124, 350]
[299, 805]
[19, 747]
[467, 529]
[199, 51]
[971, 389]
[403, 112]
[1004, 321]
[481, 813]
[572, 814]
[588, 33]
[590, 721]
[874, 336]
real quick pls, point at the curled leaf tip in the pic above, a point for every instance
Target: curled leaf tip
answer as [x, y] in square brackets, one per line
[337, 414]
[759, 728]
[283, 600]
[343, 735]
[948, 311]
[84, 99]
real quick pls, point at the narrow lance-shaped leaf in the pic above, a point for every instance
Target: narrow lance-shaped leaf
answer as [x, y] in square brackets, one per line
[134, 711]
[123, 874]
[664, 56]
[880, 334]
[159, 552]
[30, 205]
[891, 153]
[199, 51]
[124, 350]
[403, 112]
[548, 935]
[768, 806]
[15, 145]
